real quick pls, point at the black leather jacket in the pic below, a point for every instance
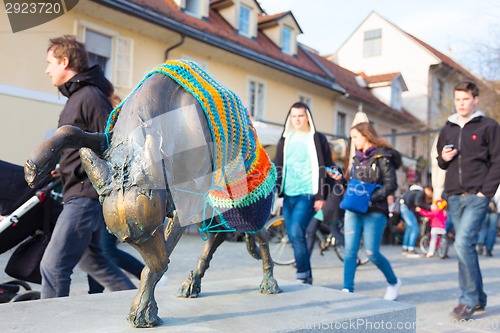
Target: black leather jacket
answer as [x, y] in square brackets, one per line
[380, 168]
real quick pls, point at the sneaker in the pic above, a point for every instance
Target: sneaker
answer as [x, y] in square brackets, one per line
[404, 252]
[392, 291]
[488, 253]
[412, 254]
[463, 312]
[345, 290]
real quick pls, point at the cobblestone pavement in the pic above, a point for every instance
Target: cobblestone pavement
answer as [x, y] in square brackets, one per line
[430, 284]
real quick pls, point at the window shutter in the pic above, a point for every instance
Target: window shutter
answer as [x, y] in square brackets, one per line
[124, 59]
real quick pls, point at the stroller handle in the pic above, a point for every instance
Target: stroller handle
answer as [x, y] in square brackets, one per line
[40, 196]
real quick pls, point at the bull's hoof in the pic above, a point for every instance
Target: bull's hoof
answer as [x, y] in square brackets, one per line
[269, 285]
[191, 288]
[147, 317]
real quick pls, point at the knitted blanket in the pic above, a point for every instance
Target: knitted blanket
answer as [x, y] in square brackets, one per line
[244, 177]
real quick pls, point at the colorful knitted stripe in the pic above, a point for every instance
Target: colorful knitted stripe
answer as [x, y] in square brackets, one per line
[244, 177]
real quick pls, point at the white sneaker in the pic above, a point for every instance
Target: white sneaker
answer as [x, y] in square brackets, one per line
[345, 290]
[392, 291]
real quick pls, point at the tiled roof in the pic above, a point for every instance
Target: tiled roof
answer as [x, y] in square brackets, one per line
[444, 58]
[216, 25]
[379, 78]
[264, 19]
[273, 17]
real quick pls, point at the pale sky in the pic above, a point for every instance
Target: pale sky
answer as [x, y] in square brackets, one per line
[458, 25]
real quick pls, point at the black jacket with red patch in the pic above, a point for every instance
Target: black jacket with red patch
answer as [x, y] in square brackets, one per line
[476, 167]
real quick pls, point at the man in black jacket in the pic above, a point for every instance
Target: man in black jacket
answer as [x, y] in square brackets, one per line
[76, 237]
[469, 150]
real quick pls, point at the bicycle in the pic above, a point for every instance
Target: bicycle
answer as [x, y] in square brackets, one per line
[282, 251]
[328, 241]
[442, 243]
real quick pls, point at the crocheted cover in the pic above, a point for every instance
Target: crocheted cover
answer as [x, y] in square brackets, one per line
[242, 197]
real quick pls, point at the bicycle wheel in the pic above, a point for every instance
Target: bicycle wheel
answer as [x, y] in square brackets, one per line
[424, 243]
[279, 245]
[339, 249]
[442, 248]
[362, 257]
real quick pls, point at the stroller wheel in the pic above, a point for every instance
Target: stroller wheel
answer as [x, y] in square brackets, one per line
[27, 296]
[21, 283]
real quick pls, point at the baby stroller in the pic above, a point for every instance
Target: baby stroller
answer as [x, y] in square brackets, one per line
[29, 216]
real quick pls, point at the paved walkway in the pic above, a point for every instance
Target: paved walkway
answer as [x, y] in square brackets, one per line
[430, 284]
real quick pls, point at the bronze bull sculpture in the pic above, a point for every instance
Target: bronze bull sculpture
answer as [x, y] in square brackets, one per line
[180, 148]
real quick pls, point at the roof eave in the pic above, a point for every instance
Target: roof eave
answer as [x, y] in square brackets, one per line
[171, 24]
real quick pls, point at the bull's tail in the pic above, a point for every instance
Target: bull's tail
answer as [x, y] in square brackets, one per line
[43, 159]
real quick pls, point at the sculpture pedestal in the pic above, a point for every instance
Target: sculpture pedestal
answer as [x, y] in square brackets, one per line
[223, 306]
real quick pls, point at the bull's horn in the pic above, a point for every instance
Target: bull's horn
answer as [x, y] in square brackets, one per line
[97, 169]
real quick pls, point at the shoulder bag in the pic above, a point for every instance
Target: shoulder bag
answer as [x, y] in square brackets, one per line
[357, 196]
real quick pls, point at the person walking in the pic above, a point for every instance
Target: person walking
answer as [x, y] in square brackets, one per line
[301, 157]
[77, 233]
[109, 244]
[469, 150]
[488, 233]
[375, 162]
[412, 199]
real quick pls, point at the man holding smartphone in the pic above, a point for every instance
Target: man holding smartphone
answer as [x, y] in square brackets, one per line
[472, 163]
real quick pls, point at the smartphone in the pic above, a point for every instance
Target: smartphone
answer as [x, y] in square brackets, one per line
[449, 146]
[335, 172]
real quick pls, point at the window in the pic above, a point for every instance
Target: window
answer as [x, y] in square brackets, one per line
[372, 43]
[341, 124]
[394, 133]
[244, 21]
[396, 92]
[108, 50]
[123, 62]
[256, 99]
[413, 147]
[193, 7]
[306, 100]
[286, 40]
[99, 48]
[440, 92]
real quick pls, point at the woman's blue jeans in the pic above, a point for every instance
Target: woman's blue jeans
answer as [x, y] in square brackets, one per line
[468, 213]
[411, 226]
[371, 227]
[298, 211]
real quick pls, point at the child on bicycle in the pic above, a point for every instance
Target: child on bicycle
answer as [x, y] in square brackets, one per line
[437, 216]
